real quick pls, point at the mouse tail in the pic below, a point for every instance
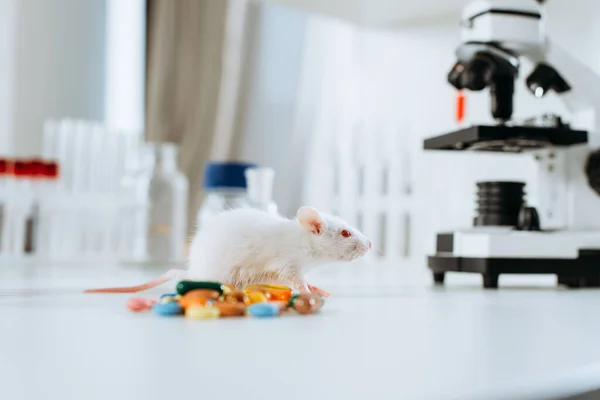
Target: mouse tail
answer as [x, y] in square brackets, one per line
[172, 274]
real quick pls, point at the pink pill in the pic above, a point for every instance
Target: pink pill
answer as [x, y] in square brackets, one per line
[139, 304]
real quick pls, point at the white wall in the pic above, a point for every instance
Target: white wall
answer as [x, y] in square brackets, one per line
[59, 66]
[125, 65]
[8, 9]
[271, 77]
[69, 59]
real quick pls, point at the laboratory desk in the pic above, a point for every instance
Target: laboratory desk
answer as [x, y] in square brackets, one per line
[398, 340]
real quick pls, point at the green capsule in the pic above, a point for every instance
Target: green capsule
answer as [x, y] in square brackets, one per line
[185, 286]
[292, 299]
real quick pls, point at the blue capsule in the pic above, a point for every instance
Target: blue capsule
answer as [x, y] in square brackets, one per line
[167, 309]
[262, 310]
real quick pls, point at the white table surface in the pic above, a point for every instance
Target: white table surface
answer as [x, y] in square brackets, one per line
[404, 340]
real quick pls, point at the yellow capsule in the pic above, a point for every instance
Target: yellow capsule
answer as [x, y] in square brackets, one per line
[256, 297]
[202, 313]
[273, 292]
[267, 287]
[167, 299]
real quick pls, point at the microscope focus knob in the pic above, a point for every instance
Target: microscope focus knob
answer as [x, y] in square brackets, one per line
[592, 171]
[529, 219]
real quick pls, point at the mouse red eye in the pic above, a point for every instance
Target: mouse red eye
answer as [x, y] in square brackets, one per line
[345, 233]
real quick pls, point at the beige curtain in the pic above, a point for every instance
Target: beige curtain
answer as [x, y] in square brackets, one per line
[195, 49]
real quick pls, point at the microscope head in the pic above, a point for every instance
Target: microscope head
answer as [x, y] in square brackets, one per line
[493, 35]
[515, 25]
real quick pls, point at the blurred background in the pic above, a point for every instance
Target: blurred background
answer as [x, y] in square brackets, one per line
[333, 96]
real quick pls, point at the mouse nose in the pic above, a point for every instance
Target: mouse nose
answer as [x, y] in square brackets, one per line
[370, 244]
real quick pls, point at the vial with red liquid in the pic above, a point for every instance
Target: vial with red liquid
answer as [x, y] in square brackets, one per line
[6, 170]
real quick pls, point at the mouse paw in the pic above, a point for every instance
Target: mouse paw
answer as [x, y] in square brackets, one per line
[315, 289]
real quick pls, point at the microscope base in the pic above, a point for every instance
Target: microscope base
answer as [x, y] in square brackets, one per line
[581, 272]
[580, 268]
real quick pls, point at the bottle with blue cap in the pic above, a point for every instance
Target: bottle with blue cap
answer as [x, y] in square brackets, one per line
[225, 187]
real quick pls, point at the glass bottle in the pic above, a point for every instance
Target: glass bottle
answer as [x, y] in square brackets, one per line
[168, 206]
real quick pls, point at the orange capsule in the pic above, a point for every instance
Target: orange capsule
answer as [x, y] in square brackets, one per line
[231, 309]
[234, 297]
[200, 297]
[306, 304]
[281, 295]
[199, 302]
[208, 293]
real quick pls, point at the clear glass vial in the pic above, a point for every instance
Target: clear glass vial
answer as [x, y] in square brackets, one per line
[260, 188]
[168, 188]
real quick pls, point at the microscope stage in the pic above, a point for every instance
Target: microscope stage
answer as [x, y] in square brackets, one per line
[574, 256]
[505, 138]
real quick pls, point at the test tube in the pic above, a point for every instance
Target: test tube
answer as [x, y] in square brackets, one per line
[64, 145]
[81, 156]
[51, 217]
[22, 172]
[259, 181]
[97, 155]
[49, 140]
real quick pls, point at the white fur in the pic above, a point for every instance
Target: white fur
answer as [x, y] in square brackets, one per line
[252, 242]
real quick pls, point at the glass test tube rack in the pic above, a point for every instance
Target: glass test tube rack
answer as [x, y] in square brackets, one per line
[70, 204]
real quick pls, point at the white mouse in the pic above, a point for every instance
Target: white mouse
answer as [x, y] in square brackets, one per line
[245, 246]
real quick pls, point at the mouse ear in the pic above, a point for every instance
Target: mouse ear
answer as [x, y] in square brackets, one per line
[310, 219]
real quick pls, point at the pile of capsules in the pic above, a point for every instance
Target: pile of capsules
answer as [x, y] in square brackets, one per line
[210, 300]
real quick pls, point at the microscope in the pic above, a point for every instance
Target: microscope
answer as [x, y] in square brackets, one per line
[560, 234]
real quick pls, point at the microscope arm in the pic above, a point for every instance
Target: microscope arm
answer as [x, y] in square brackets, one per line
[566, 198]
[583, 98]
